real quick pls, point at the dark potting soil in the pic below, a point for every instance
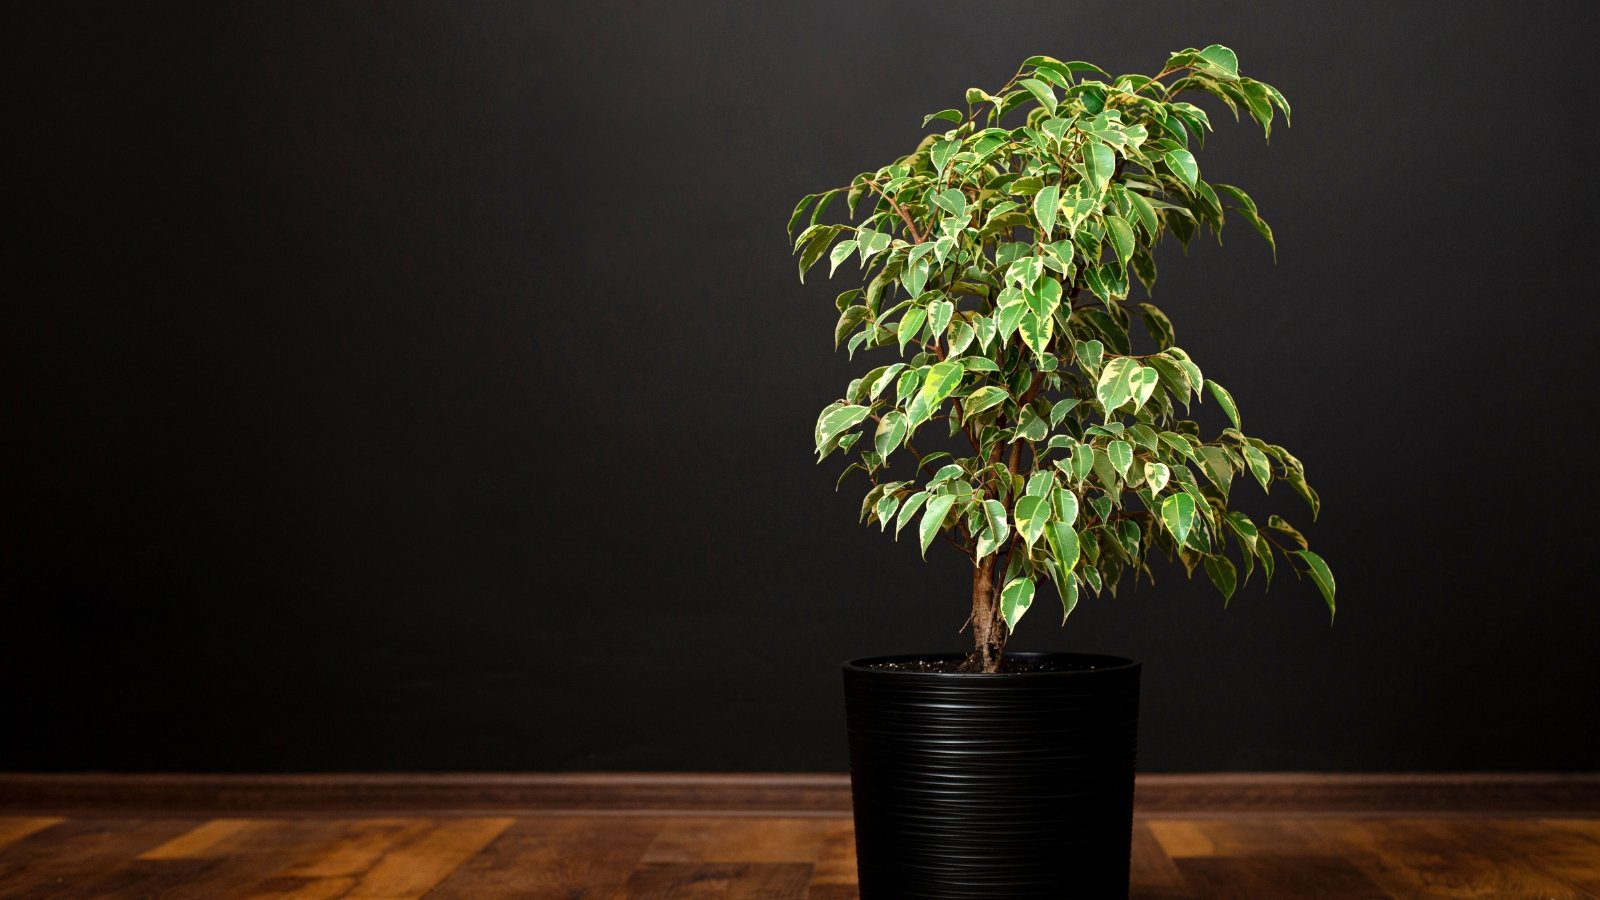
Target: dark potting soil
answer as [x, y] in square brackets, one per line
[1008, 665]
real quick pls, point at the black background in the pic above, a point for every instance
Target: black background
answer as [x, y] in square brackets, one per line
[428, 386]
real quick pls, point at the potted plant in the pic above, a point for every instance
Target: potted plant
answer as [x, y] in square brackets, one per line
[1027, 422]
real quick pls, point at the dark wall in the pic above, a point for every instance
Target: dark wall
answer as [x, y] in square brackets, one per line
[427, 386]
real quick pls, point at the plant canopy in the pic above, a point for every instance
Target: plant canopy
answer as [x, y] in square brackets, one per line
[996, 266]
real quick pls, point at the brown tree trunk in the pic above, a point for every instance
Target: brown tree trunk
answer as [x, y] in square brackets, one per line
[988, 628]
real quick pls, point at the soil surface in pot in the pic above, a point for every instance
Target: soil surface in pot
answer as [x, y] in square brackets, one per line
[1008, 665]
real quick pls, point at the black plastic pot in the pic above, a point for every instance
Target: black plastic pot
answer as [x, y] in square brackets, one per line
[993, 786]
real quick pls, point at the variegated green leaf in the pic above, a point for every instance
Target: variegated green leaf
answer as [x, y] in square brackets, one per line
[1032, 513]
[1044, 208]
[1121, 235]
[1182, 164]
[933, 518]
[1156, 476]
[1321, 574]
[1099, 164]
[1224, 400]
[1222, 574]
[1064, 504]
[908, 509]
[1177, 513]
[1121, 455]
[1259, 466]
[835, 421]
[943, 378]
[1015, 600]
[1115, 386]
[891, 431]
[983, 398]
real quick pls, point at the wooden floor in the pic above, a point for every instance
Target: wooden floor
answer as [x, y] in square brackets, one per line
[730, 856]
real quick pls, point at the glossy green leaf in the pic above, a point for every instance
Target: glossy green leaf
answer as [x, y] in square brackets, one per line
[1044, 208]
[1032, 513]
[841, 252]
[1121, 235]
[1121, 455]
[1015, 600]
[1277, 523]
[1068, 587]
[1064, 505]
[1247, 207]
[1224, 400]
[1090, 354]
[961, 337]
[910, 324]
[1220, 61]
[1177, 513]
[998, 530]
[835, 421]
[1222, 574]
[891, 431]
[943, 378]
[1321, 574]
[1063, 542]
[1041, 91]
[1115, 386]
[940, 153]
[952, 116]
[915, 277]
[885, 510]
[1156, 476]
[849, 320]
[1060, 409]
[1259, 466]
[1082, 461]
[932, 518]
[951, 201]
[1183, 165]
[983, 398]
[908, 509]
[1099, 164]
[1214, 463]
[1036, 331]
[1143, 383]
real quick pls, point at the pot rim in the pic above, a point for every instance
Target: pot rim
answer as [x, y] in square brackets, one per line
[1100, 663]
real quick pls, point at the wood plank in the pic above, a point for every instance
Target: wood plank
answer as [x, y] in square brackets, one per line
[318, 857]
[717, 881]
[562, 857]
[740, 840]
[414, 868]
[836, 858]
[1180, 838]
[1443, 858]
[208, 839]
[1271, 877]
[1152, 875]
[60, 860]
[772, 793]
[218, 858]
[15, 828]
[357, 848]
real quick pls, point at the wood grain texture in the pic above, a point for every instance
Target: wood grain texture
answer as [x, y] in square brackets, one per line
[1205, 857]
[776, 794]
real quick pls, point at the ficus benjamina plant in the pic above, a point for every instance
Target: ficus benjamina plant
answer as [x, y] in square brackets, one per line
[998, 258]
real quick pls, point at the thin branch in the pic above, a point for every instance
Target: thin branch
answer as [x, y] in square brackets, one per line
[906, 217]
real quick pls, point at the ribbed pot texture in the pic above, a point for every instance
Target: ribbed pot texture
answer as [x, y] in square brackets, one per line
[993, 786]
